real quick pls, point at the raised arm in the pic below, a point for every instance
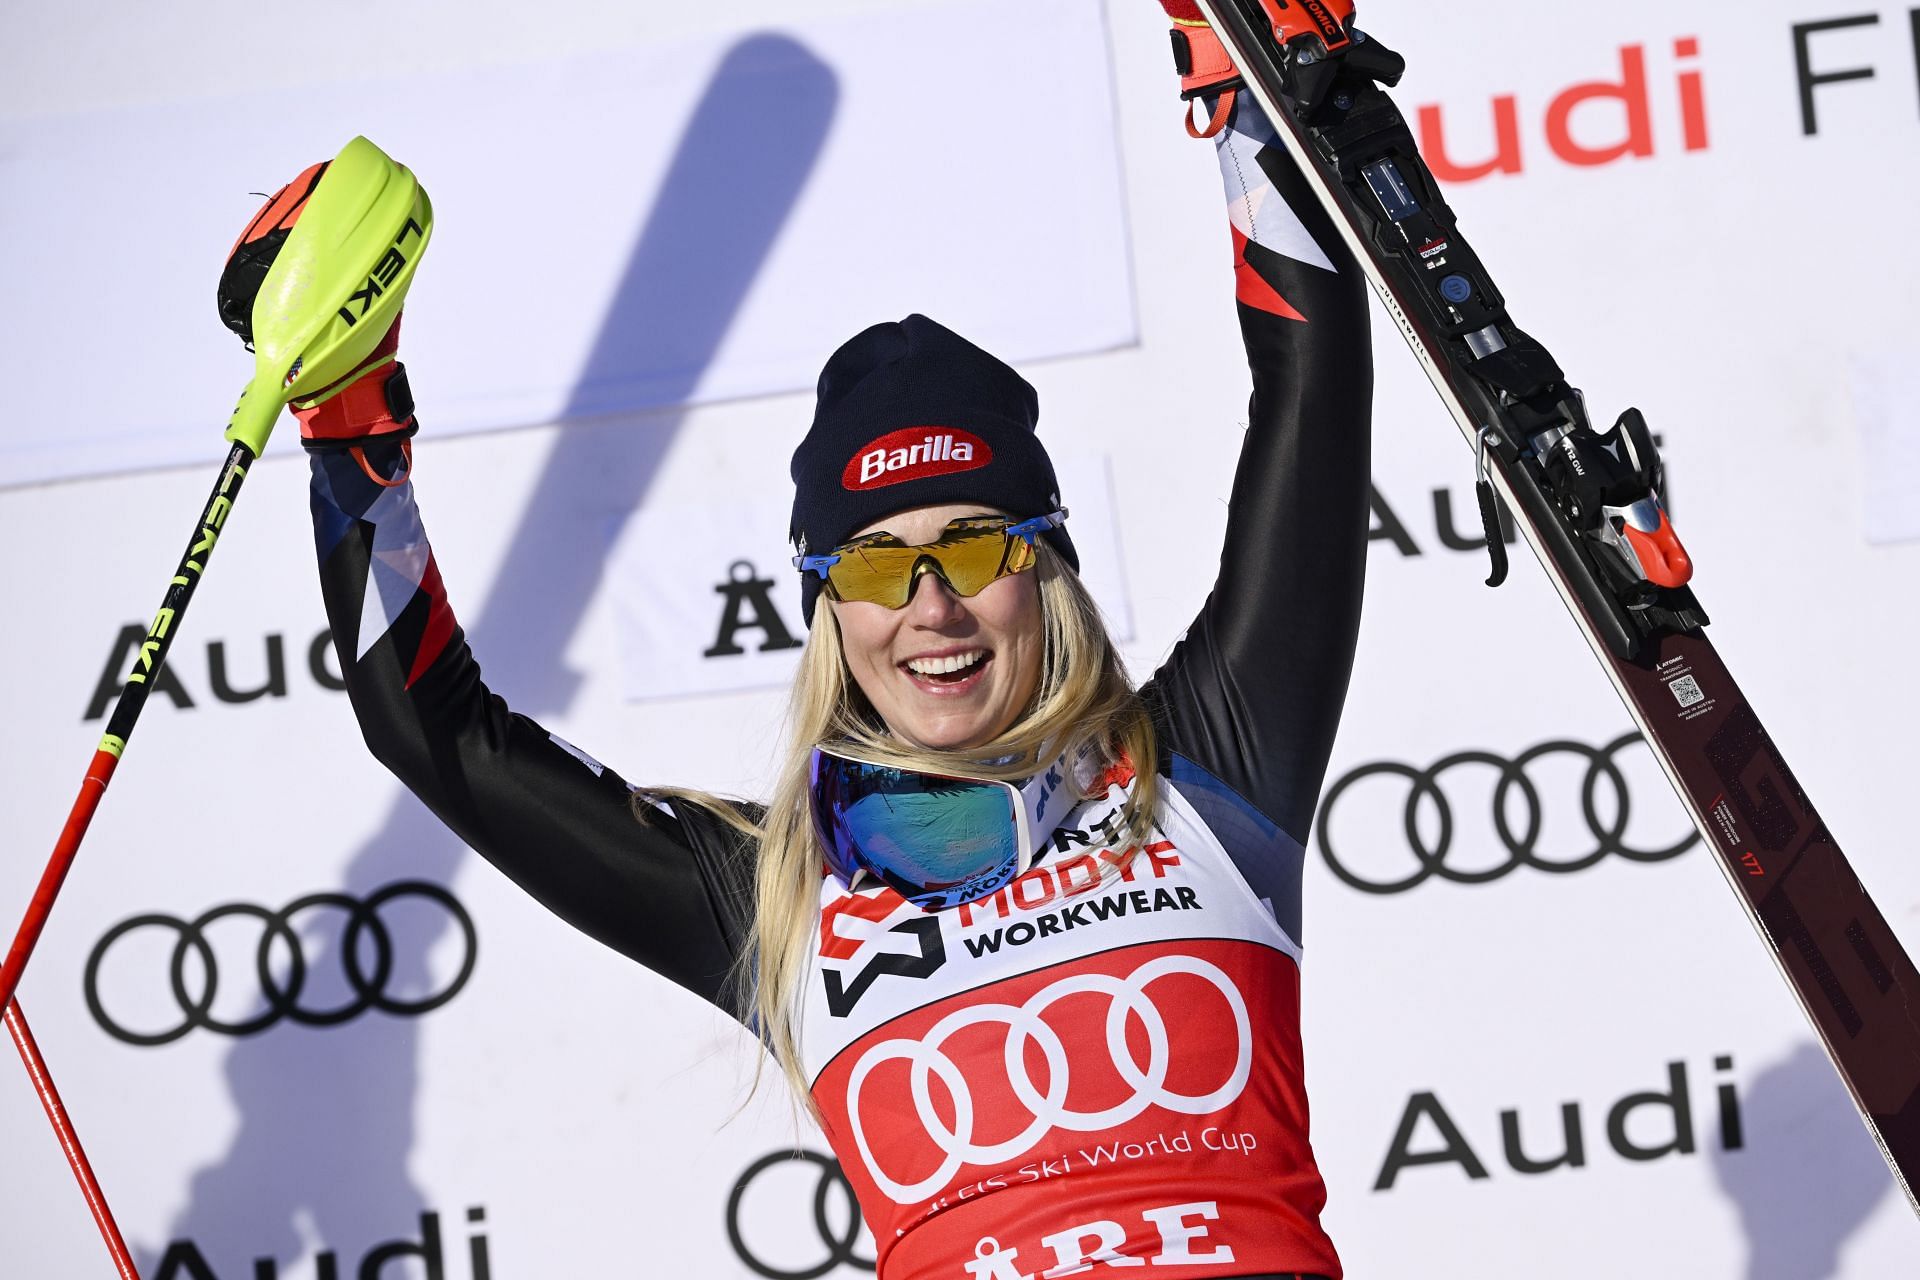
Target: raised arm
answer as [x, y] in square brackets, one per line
[669, 893]
[1253, 693]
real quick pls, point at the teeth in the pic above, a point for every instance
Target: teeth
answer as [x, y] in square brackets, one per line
[944, 666]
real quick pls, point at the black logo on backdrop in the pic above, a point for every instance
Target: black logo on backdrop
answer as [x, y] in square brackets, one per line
[829, 1189]
[183, 1259]
[323, 667]
[1514, 793]
[1667, 1129]
[1812, 69]
[279, 938]
[748, 607]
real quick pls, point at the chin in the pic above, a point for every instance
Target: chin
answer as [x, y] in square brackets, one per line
[947, 737]
[950, 733]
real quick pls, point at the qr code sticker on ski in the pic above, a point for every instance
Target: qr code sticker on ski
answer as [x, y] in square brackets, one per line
[1687, 690]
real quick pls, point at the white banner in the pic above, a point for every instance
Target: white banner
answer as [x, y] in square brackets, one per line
[1541, 1038]
[784, 189]
[1886, 408]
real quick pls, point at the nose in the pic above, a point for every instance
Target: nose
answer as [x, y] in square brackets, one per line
[933, 603]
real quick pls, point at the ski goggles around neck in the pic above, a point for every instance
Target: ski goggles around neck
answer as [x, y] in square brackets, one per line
[968, 555]
[938, 840]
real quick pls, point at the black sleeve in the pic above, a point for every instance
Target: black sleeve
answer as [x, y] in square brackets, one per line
[1253, 693]
[670, 892]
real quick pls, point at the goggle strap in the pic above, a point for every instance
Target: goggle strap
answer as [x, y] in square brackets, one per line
[1048, 798]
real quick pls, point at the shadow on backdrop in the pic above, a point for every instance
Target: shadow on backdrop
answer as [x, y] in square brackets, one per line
[1810, 1174]
[326, 1116]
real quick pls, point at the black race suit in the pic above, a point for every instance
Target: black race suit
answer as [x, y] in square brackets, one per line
[1080, 1067]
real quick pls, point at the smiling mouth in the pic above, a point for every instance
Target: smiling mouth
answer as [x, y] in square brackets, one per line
[950, 671]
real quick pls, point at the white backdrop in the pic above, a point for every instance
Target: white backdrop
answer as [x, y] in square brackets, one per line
[564, 1113]
[827, 177]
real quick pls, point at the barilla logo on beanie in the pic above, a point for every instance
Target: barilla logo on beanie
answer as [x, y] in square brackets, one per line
[915, 453]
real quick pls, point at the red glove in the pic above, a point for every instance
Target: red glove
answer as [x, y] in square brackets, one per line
[1205, 68]
[373, 402]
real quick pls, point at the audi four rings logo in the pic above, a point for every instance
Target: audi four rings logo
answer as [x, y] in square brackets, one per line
[278, 936]
[830, 1187]
[1520, 809]
[1128, 999]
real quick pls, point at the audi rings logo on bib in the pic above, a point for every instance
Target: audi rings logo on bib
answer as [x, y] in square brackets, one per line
[792, 1216]
[238, 969]
[1475, 816]
[993, 1107]
[914, 453]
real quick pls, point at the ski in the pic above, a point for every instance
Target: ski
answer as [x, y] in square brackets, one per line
[1587, 503]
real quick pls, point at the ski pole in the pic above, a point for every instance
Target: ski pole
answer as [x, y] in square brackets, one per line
[92, 787]
[22, 1034]
[314, 283]
[126, 711]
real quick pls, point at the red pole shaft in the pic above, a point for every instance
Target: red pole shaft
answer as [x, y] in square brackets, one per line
[69, 1140]
[126, 712]
[91, 789]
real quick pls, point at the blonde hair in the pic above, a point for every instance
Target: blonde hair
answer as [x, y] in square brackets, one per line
[1084, 699]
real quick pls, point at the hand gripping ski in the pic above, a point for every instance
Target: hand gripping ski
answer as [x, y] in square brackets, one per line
[1588, 503]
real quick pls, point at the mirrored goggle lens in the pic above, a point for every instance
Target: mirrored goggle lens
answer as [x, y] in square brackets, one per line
[967, 560]
[938, 841]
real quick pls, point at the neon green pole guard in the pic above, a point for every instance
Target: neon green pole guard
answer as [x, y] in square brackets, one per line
[335, 287]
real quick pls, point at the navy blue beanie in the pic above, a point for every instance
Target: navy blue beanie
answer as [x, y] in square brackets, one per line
[911, 415]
